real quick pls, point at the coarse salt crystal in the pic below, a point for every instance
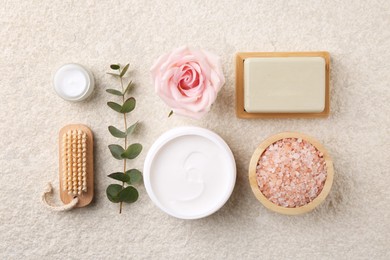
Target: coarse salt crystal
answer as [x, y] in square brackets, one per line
[291, 172]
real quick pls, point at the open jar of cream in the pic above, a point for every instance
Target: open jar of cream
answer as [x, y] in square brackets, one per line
[73, 82]
[189, 172]
[291, 173]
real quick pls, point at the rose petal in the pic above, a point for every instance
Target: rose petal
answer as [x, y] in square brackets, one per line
[188, 80]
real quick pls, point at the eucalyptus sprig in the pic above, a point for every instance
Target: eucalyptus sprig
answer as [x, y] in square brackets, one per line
[125, 192]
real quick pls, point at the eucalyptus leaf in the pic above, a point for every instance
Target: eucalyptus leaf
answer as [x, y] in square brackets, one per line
[120, 176]
[124, 70]
[116, 151]
[118, 193]
[132, 151]
[113, 191]
[128, 106]
[114, 92]
[129, 87]
[131, 128]
[128, 194]
[114, 66]
[170, 113]
[114, 106]
[116, 132]
[135, 176]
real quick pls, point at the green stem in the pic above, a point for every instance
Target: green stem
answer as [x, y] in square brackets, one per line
[124, 160]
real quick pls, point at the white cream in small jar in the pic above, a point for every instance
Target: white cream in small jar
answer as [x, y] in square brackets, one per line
[189, 172]
[73, 82]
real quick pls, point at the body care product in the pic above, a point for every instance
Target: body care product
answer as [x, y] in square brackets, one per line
[73, 82]
[291, 173]
[189, 172]
[76, 168]
[290, 84]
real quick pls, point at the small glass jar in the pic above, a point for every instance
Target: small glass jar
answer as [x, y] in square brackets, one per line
[73, 82]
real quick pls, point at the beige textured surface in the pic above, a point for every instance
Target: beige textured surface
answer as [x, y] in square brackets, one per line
[38, 36]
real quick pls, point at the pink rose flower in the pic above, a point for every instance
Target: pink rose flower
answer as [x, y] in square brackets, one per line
[188, 80]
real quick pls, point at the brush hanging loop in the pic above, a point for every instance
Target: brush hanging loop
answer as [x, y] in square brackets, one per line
[48, 191]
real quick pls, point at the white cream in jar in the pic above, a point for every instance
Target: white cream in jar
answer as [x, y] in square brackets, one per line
[189, 172]
[73, 82]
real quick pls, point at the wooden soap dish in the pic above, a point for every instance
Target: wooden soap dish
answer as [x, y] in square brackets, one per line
[284, 210]
[240, 108]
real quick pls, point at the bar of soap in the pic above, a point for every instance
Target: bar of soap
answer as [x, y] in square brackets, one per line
[284, 84]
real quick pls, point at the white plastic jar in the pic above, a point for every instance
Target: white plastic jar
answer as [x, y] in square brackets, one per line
[189, 172]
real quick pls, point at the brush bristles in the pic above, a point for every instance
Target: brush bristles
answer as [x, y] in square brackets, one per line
[74, 162]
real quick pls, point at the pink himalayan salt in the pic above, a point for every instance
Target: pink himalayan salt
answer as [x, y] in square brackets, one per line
[291, 172]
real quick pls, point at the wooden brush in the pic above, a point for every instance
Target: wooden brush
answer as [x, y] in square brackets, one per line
[76, 164]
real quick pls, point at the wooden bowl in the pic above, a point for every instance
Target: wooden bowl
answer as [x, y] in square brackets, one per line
[283, 210]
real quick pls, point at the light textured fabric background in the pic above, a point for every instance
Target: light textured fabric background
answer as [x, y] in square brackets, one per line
[39, 36]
